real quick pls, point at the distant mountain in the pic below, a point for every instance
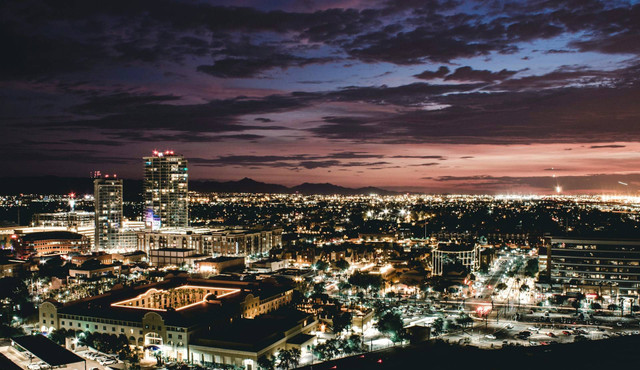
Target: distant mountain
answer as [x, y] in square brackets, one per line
[133, 188]
[246, 185]
[328, 189]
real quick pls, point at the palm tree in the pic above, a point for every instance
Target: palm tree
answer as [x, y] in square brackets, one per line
[289, 359]
[267, 362]
[464, 320]
[437, 326]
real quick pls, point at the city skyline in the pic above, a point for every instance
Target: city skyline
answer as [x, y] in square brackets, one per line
[437, 96]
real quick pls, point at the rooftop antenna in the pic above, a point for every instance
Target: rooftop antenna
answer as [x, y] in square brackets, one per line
[72, 201]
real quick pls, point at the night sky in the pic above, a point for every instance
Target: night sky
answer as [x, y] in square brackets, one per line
[435, 96]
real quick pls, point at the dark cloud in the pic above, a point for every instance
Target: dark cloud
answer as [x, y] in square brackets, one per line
[439, 157]
[430, 75]
[561, 77]
[44, 38]
[350, 128]
[404, 95]
[336, 163]
[217, 116]
[67, 156]
[429, 164]
[416, 46]
[466, 113]
[354, 155]
[558, 51]
[120, 102]
[466, 74]
[625, 43]
[291, 161]
[318, 164]
[470, 74]
[109, 73]
[249, 160]
[95, 142]
[34, 56]
[263, 120]
[559, 115]
[180, 137]
[611, 146]
[252, 67]
[315, 82]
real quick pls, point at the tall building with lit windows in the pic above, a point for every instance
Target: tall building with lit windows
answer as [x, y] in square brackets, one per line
[166, 190]
[605, 267]
[107, 193]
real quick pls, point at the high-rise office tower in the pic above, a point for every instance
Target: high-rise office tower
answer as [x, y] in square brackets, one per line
[107, 193]
[165, 190]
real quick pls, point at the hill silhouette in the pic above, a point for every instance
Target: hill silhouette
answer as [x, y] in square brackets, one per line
[133, 187]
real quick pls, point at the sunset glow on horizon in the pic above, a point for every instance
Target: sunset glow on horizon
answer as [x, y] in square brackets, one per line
[505, 97]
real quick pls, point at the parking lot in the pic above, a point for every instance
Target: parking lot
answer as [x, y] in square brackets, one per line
[97, 359]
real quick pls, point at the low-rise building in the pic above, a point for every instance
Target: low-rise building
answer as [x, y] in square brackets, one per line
[361, 320]
[50, 242]
[244, 341]
[72, 219]
[212, 242]
[9, 235]
[179, 257]
[163, 318]
[216, 265]
[269, 265]
[11, 267]
[134, 257]
[101, 257]
[93, 271]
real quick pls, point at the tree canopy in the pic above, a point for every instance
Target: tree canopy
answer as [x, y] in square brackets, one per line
[365, 281]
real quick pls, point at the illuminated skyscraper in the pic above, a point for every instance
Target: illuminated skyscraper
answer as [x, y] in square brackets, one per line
[165, 190]
[107, 194]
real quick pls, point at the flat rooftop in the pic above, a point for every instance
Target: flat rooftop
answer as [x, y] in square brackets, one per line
[46, 350]
[221, 259]
[443, 247]
[7, 364]
[593, 240]
[179, 298]
[190, 308]
[254, 334]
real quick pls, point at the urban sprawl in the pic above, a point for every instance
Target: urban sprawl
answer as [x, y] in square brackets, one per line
[265, 281]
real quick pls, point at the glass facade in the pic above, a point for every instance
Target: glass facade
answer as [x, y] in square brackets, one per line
[108, 213]
[166, 189]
